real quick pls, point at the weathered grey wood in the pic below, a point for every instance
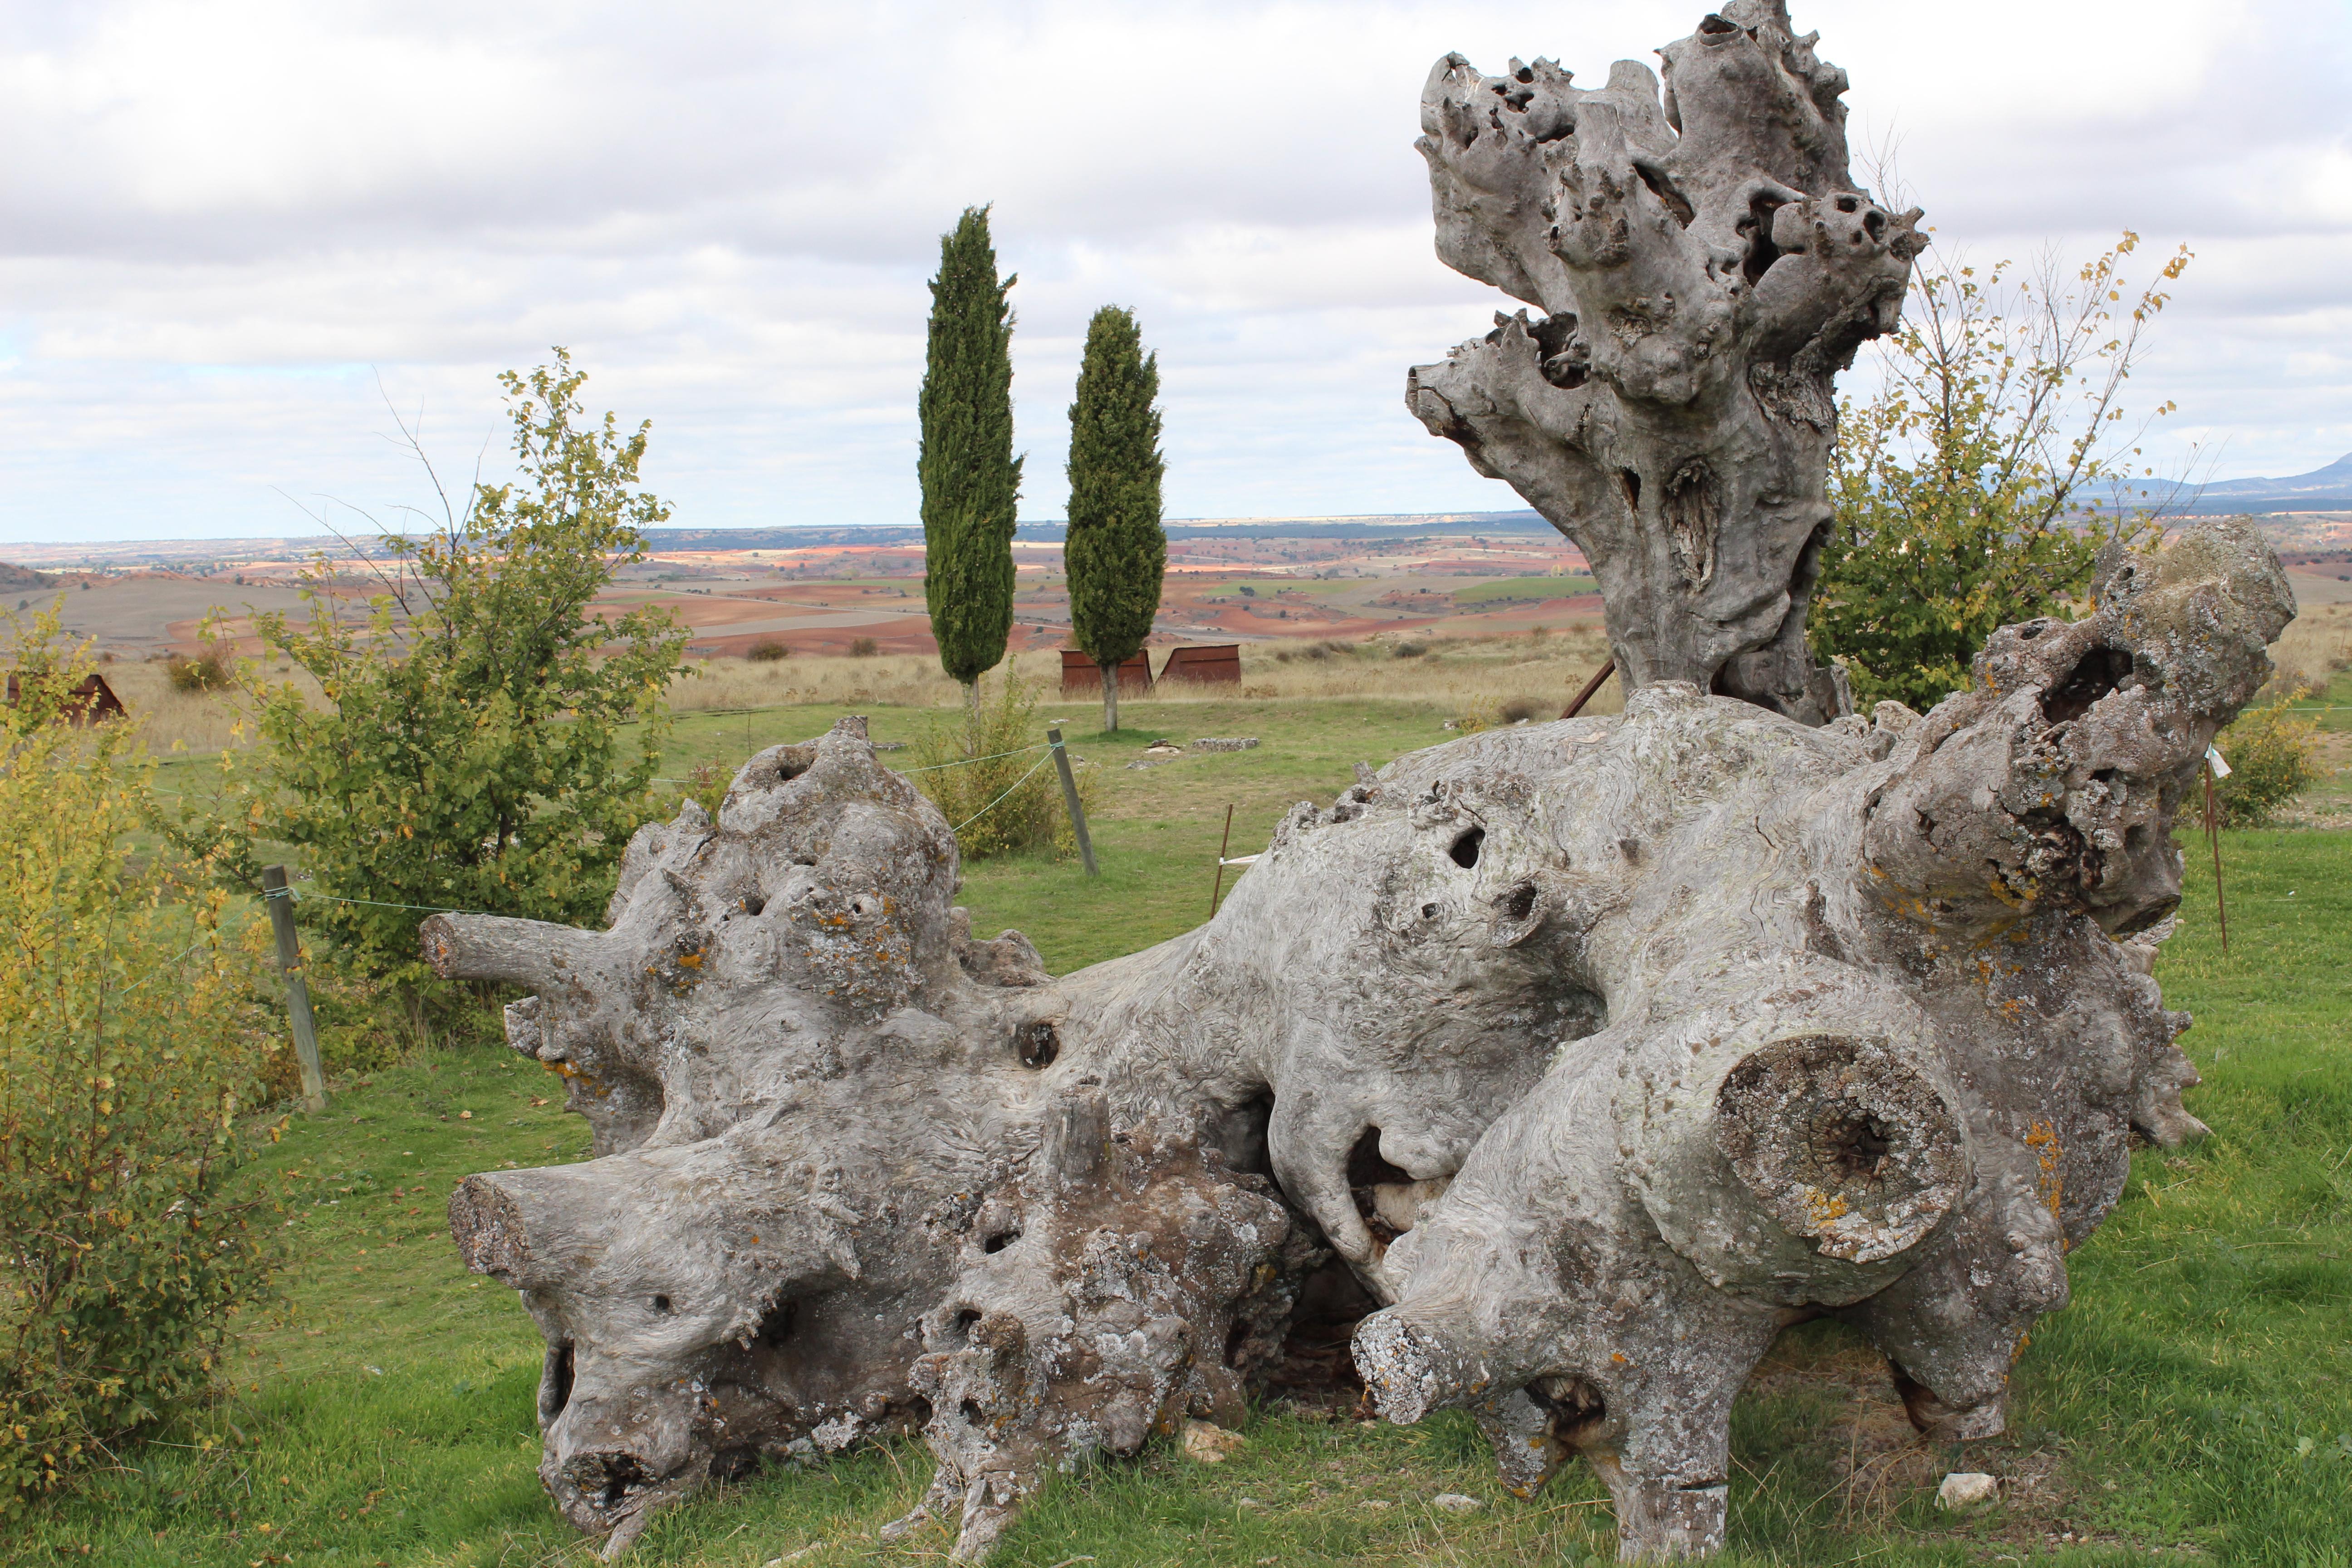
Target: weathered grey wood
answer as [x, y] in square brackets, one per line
[1070, 784]
[279, 897]
[1597, 1052]
[1701, 266]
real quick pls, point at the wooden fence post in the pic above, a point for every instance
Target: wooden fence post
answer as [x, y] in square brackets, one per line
[280, 899]
[1070, 799]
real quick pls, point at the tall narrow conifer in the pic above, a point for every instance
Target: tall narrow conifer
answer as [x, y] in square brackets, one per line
[1117, 551]
[970, 479]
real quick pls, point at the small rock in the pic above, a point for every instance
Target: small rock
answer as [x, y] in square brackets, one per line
[1248, 1502]
[1455, 1503]
[1226, 743]
[1210, 1443]
[1967, 1489]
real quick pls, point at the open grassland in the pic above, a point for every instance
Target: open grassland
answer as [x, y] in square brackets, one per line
[2194, 1404]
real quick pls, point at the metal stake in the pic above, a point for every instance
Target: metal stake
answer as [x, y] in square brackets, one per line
[2213, 838]
[1592, 686]
[1222, 845]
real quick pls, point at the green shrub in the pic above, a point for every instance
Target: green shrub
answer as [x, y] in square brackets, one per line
[863, 648]
[768, 651]
[129, 1046]
[981, 769]
[207, 671]
[1484, 714]
[483, 741]
[2270, 753]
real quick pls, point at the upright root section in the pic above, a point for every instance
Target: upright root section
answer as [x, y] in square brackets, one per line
[1599, 1051]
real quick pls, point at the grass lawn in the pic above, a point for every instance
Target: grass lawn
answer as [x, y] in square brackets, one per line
[2195, 1403]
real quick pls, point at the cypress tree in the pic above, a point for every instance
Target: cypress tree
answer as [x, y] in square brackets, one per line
[970, 479]
[1117, 551]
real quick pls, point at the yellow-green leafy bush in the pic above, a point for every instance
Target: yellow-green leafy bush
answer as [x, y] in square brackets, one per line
[986, 770]
[2269, 750]
[131, 1055]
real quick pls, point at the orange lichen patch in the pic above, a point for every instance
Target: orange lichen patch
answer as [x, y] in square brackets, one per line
[573, 1074]
[2042, 1138]
[1824, 1208]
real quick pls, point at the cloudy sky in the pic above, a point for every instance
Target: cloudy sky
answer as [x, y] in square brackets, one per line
[222, 226]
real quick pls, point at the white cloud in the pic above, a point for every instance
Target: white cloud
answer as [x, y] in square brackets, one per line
[219, 223]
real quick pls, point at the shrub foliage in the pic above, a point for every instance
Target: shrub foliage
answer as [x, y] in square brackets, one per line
[985, 769]
[2272, 756]
[486, 742]
[1968, 490]
[130, 1044]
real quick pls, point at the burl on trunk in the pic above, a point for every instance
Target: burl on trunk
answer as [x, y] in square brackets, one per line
[1668, 1031]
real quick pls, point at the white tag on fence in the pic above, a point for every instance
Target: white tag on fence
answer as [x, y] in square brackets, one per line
[2213, 760]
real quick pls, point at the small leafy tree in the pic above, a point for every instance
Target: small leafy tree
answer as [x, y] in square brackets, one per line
[1978, 487]
[130, 1048]
[970, 479]
[1117, 551]
[486, 743]
[2272, 752]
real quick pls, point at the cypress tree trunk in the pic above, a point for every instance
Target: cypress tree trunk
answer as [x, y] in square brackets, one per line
[1117, 551]
[970, 479]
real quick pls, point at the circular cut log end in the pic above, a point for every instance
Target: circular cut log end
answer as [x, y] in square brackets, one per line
[488, 1224]
[1408, 1372]
[438, 937]
[1844, 1141]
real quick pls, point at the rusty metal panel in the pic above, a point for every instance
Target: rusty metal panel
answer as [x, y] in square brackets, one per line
[1216, 664]
[1081, 676]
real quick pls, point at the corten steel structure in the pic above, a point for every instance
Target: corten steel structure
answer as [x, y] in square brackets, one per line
[91, 700]
[1592, 1053]
[1210, 664]
[1082, 677]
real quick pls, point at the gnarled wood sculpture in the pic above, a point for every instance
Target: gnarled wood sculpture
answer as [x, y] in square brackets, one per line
[1599, 1052]
[1703, 265]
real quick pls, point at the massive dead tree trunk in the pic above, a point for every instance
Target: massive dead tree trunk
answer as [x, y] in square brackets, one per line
[1703, 266]
[1596, 1052]
[1599, 1052]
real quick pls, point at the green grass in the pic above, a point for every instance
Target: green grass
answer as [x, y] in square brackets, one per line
[2199, 1391]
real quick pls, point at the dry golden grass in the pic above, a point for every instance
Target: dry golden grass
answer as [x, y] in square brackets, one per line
[171, 720]
[2315, 647]
[1536, 670]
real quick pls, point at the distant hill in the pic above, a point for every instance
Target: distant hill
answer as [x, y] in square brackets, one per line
[24, 577]
[2321, 489]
